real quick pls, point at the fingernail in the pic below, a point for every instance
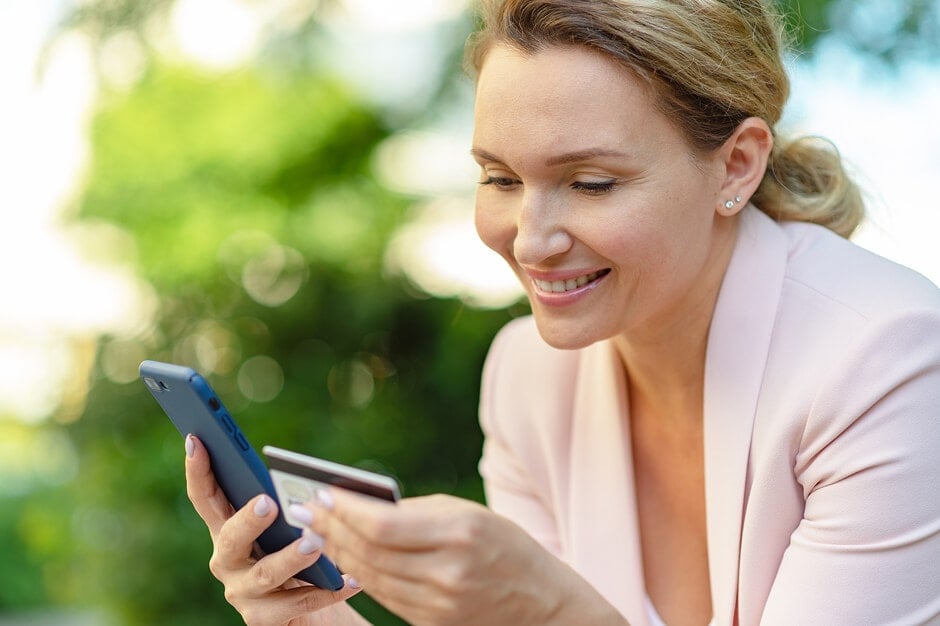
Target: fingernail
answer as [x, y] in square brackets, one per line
[262, 506]
[353, 583]
[301, 513]
[324, 499]
[190, 446]
[310, 543]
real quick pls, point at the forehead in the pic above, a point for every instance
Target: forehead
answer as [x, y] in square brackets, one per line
[561, 94]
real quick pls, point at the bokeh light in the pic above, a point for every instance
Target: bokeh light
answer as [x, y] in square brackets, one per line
[78, 316]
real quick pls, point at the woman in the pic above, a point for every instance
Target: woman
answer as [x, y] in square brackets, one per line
[720, 411]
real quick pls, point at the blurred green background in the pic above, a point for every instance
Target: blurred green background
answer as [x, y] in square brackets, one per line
[261, 217]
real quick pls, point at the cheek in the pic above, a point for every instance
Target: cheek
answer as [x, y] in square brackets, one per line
[494, 227]
[670, 257]
[635, 241]
[646, 251]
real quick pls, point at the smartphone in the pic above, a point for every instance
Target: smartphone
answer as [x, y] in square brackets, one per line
[297, 478]
[194, 407]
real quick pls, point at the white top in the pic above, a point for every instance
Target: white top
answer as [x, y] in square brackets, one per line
[653, 616]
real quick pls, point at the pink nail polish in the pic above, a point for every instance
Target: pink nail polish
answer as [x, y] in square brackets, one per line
[190, 446]
[324, 499]
[353, 583]
[310, 543]
[301, 514]
[262, 506]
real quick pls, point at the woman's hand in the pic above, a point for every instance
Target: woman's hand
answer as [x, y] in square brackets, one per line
[262, 590]
[441, 560]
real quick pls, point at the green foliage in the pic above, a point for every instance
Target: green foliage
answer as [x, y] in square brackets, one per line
[259, 225]
[806, 20]
[892, 32]
[218, 179]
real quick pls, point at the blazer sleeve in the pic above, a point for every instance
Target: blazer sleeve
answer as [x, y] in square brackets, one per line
[867, 550]
[509, 464]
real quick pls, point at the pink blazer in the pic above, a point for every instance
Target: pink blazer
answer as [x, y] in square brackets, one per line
[822, 440]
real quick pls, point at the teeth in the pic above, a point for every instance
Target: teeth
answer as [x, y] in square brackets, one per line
[561, 286]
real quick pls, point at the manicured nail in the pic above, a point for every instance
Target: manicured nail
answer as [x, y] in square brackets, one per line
[353, 583]
[301, 513]
[262, 506]
[190, 446]
[310, 543]
[324, 499]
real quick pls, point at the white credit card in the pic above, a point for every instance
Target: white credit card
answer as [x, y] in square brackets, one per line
[298, 477]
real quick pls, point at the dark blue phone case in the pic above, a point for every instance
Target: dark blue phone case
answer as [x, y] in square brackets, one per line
[194, 407]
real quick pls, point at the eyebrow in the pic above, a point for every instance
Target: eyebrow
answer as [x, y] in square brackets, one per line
[559, 159]
[582, 155]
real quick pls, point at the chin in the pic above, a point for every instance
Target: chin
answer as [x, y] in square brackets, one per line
[567, 334]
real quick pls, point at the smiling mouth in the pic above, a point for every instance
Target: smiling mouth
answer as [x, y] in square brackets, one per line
[561, 286]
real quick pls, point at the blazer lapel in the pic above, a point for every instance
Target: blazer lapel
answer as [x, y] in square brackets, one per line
[604, 531]
[738, 345]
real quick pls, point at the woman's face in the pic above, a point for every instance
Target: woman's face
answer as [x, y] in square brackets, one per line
[594, 198]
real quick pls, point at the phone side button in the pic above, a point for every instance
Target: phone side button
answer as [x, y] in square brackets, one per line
[227, 422]
[242, 442]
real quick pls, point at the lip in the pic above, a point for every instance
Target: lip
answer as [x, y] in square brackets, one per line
[564, 298]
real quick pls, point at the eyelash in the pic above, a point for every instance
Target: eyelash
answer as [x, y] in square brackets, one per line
[500, 182]
[590, 189]
[595, 189]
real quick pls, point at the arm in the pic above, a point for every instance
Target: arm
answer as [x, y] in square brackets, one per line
[868, 548]
[507, 480]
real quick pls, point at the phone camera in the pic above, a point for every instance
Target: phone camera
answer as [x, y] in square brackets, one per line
[156, 385]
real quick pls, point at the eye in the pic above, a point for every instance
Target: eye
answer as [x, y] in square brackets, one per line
[594, 188]
[500, 182]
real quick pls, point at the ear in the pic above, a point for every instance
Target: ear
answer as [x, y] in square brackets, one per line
[744, 156]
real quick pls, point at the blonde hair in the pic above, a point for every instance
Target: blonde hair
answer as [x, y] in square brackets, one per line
[712, 63]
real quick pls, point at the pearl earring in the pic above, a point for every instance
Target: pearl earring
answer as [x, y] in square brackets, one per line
[730, 203]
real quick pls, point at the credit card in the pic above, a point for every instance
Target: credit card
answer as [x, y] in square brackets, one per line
[297, 479]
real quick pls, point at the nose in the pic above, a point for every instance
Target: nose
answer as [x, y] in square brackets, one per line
[541, 231]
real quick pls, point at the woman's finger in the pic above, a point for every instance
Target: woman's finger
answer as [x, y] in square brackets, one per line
[422, 523]
[203, 490]
[431, 560]
[276, 569]
[409, 591]
[368, 562]
[288, 604]
[234, 543]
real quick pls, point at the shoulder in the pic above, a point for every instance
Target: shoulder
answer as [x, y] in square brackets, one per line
[840, 276]
[520, 354]
[846, 329]
[855, 324]
[840, 303]
[856, 340]
[527, 384]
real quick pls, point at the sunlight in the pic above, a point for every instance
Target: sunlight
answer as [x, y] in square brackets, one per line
[52, 292]
[438, 249]
[20, 446]
[426, 163]
[218, 34]
[440, 252]
[53, 295]
[382, 15]
[882, 122]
